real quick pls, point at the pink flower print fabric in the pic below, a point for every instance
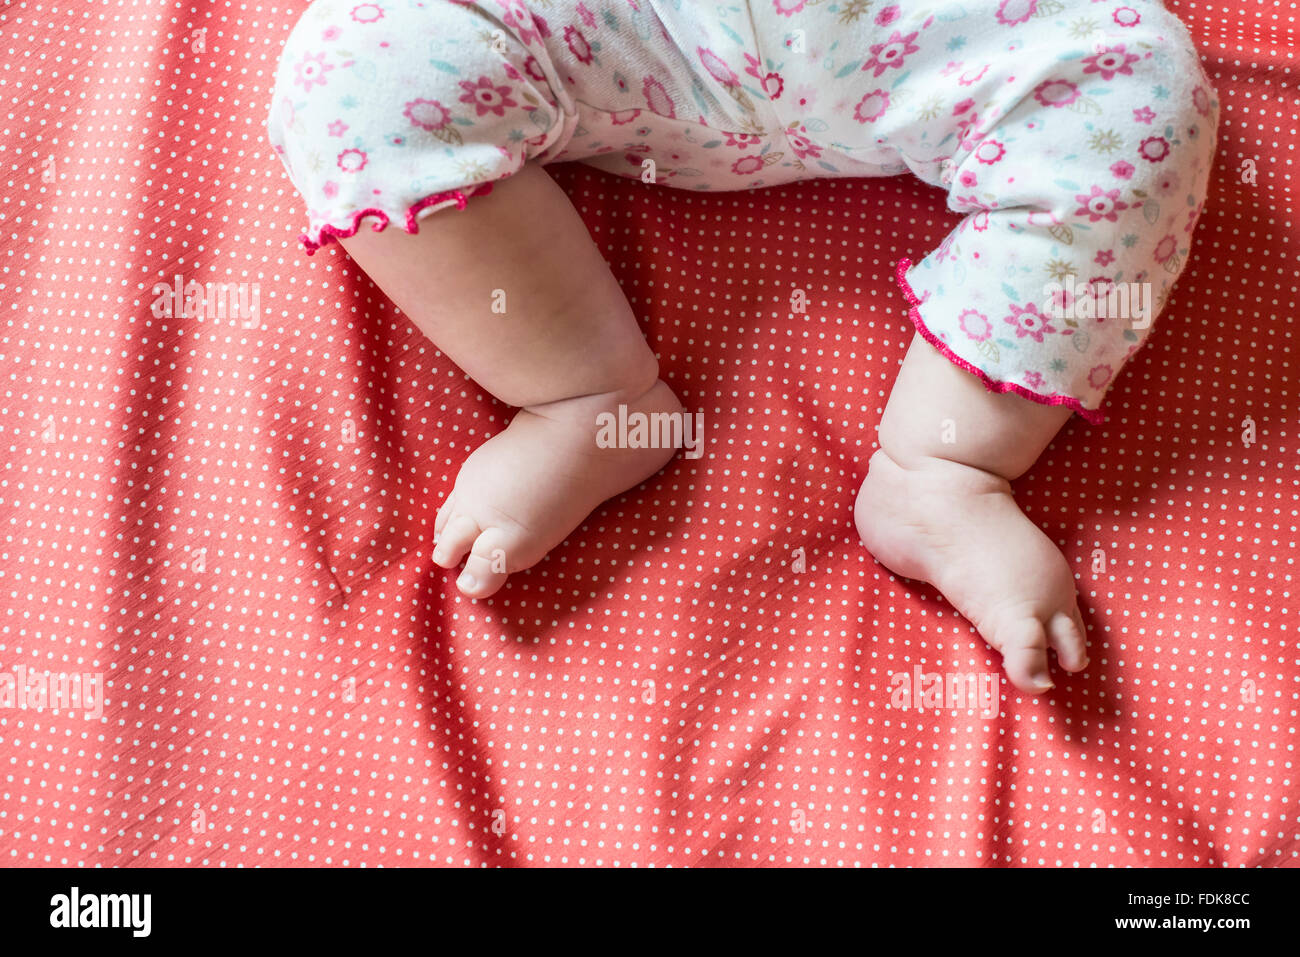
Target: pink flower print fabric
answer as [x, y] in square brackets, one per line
[1075, 138]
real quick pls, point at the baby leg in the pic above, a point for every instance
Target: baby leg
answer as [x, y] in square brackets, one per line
[565, 349]
[937, 506]
[1064, 213]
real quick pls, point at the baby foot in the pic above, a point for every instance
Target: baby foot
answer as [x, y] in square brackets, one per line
[525, 489]
[959, 529]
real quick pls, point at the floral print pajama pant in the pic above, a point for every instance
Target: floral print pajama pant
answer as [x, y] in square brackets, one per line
[1076, 137]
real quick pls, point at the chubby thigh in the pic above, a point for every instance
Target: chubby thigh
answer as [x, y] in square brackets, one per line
[1077, 140]
[395, 111]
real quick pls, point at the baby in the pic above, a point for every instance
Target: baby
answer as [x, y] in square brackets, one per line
[1076, 136]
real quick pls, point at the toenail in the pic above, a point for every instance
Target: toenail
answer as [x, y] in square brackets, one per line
[466, 580]
[1043, 682]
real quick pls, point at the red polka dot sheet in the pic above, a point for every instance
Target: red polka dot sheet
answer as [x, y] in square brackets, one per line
[218, 527]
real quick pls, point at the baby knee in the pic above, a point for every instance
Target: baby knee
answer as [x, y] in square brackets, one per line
[1184, 109]
[395, 111]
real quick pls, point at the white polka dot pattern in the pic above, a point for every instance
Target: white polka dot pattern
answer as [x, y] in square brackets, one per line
[229, 519]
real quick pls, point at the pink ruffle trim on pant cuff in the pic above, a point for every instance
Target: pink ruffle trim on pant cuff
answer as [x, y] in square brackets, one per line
[329, 234]
[1093, 416]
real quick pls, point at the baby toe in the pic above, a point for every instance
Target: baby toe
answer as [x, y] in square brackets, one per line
[445, 512]
[1023, 643]
[455, 539]
[1066, 633]
[485, 571]
[496, 553]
